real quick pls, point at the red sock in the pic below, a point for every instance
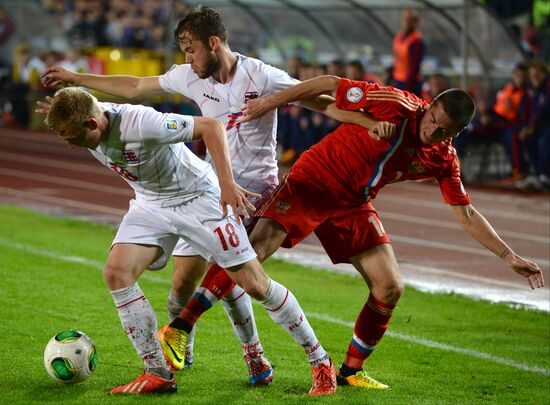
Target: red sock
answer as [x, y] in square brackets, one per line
[216, 285]
[368, 331]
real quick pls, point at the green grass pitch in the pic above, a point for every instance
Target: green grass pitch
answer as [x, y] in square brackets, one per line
[440, 349]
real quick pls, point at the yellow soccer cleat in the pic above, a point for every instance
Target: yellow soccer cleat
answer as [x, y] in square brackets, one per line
[173, 342]
[361, 379]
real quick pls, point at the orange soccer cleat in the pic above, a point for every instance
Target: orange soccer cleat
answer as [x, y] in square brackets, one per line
[324, 379]
[147, 384]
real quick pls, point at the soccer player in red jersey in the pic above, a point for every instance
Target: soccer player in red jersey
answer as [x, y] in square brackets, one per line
[330, 188]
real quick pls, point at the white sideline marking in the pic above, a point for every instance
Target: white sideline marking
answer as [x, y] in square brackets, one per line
[441, 346]
[322, 317]
[74, 259]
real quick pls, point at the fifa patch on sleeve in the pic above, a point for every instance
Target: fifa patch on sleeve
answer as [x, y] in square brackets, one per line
[354, 94]
[171, 124]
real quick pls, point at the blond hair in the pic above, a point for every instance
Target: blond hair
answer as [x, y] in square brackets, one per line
[71, 109]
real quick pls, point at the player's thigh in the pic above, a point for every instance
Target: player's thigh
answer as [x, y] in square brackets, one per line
[266, 237]
[127, 261]
[297, 206]
[378, 267]
[188, 270]
[351, 231]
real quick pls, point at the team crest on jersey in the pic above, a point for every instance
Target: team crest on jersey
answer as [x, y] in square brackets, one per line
[250, 95]
[130, 156]
[171, 124]
[354, 94]
[282, 206]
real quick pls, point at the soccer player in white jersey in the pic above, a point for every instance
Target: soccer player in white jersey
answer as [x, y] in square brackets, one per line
[176, 196]
[220, 82]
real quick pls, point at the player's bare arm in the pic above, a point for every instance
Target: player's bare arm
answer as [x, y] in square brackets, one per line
[326, 105]
[475, 225]
[307, 90]
[116, 85]
[213, 133]
[312, 94]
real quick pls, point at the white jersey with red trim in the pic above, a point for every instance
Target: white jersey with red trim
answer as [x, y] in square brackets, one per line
[146, 148]
[251, 144]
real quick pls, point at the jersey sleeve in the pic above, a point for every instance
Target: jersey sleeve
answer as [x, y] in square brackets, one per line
[276, 79]
[162, 128]
[175, 80]
[383, 102]
[451, 185]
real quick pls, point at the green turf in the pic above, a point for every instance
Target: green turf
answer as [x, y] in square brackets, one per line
[50, 280]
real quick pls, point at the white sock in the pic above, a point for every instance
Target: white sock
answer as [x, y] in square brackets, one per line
[238, 306]
[175, 305]
[284, 309]
[140, 324]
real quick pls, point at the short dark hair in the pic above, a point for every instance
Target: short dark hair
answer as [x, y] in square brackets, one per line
[357, 64]
[458, 105]
[202, 22]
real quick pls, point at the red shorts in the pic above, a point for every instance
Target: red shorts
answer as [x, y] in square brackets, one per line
[344, 230]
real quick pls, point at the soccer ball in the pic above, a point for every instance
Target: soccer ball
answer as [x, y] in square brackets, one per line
[70, 357]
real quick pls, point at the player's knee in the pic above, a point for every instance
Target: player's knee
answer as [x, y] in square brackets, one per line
[252, 278]
[117, 277]
[393, 291]
[184, 283]
[390, 291]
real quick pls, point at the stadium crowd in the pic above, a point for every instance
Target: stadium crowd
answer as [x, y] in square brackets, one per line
[516, 116]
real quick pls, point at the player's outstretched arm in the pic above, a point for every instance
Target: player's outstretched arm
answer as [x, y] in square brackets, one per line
[481, 230]
[213, 133]
[307, 90]
[116, 85]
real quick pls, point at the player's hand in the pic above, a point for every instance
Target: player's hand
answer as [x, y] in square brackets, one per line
[382, 130]
[58, 76]
[255, 108]
[528, 269]
[44, 107]
[237, 197]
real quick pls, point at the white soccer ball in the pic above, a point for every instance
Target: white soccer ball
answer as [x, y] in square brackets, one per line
[70, 357]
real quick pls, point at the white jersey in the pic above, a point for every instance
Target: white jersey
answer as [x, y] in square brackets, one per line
[252, 144]
[146, 148]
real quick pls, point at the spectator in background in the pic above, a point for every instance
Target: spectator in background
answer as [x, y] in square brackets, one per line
[534, 136]
[294, 66]
[26, 77]
[506, 110]
[73, 60]
[7, 39]
[355, 70]
[408, 51]
[336, 68]
[436, 84]
[480, 130]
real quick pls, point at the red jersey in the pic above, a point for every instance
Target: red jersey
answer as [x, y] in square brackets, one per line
[353, 166]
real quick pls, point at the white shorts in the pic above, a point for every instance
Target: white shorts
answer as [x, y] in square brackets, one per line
[185, 249]
[198, 222]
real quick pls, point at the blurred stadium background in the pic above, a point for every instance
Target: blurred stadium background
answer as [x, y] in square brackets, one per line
[469, 44]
